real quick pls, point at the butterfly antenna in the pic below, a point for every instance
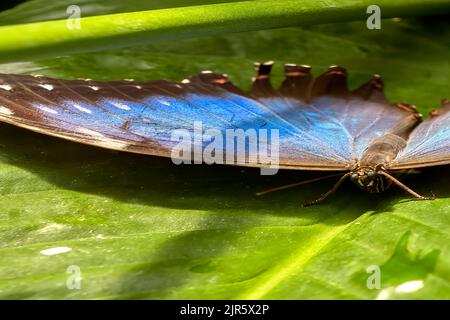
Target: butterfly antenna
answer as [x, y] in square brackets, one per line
[329, 192]
[401, 185]
[287, 186]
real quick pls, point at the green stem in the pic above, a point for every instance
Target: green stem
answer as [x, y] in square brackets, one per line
[33, 40]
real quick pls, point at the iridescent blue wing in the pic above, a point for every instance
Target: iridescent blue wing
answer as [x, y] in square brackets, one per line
[322, 126]
[66, 109]
[429, 143]
[345, 121]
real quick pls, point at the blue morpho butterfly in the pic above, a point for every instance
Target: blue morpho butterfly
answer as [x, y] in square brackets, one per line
[322, 125]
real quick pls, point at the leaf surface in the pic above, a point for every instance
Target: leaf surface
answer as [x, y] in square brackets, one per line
[141, 227]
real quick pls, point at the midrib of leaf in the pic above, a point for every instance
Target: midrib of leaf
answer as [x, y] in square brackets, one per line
[293, 263]
[52, 38]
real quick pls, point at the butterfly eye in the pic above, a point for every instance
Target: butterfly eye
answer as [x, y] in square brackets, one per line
[371, 174]
[354, 176]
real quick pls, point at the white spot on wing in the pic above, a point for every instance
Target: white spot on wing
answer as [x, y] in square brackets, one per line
[166, 103]
[119, 105]
[82, 109]
[185, 81]
[138, 87]
[6, 87]
[47, 109]
[114, 144]
[49, 87]
[6, 111]
[53, 251]
[90, 132]
[95, 88]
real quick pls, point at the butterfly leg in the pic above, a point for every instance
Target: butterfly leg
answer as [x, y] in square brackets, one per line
[399, 175]
[401, 185]
[329, 192]
[287, 186]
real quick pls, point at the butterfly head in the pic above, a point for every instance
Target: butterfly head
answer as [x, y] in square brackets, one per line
[367, 178]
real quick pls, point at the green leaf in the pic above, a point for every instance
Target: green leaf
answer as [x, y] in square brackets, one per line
[141, 227]
[51, 38]
[44, 10]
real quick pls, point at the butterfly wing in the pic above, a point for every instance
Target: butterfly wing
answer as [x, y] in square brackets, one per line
[345, 121]
[322, 126]
[66, 109]
[429, 143]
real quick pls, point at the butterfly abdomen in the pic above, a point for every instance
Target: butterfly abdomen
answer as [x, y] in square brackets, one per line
[384, 149]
